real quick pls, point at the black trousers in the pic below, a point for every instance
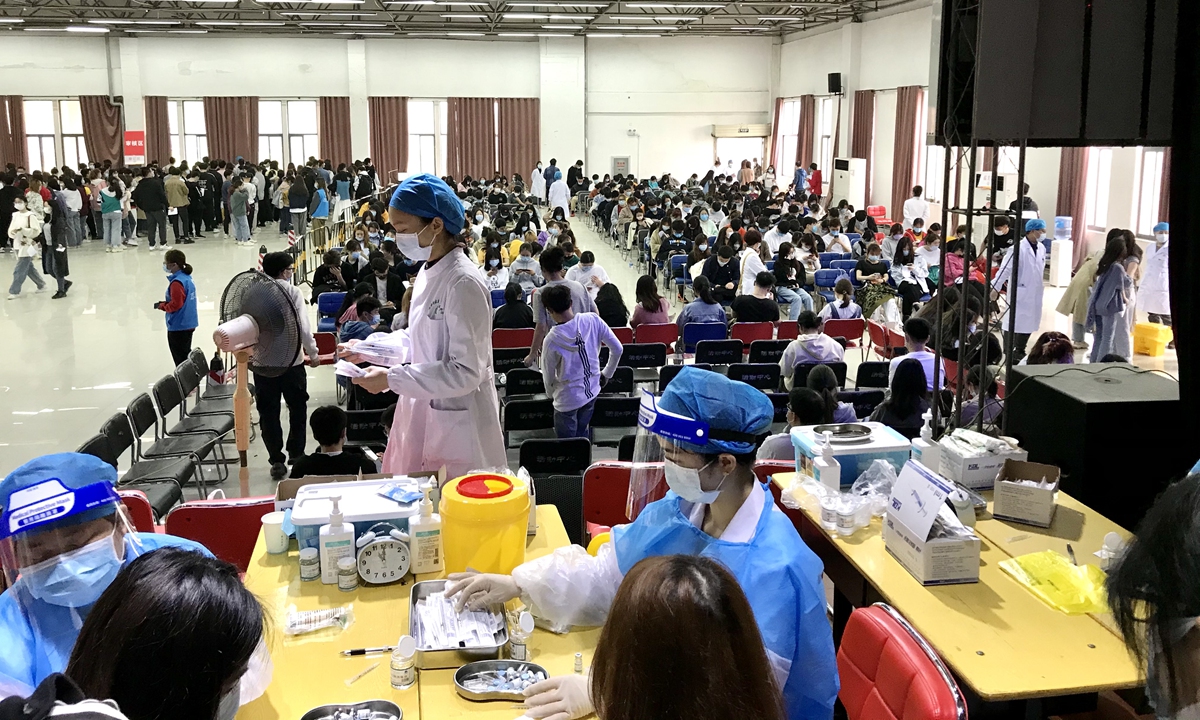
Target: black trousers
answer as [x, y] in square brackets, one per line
[180, 226]
[909, 293]
[1020, 342]
[292, 388]
[180, 342]
[196, 218]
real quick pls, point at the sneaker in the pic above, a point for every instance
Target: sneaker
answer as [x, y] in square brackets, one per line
[1079, 345]
[278, 471]
[13, 297]
[42, 289]
[132, 243]
[189, 241]
[108, 248]
[118, 249]
[58, 296]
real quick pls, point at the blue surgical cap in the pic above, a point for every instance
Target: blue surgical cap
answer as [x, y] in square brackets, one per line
[558, 174]
[722, 403]
[73, 470]
[1162, 227]
[1035, 224]
[428, 196]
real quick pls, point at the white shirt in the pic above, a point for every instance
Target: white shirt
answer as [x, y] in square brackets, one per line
[914, 208]
[306, 337]
[773, 238]
[926, 358]
[931, 255]
[751, 265]
[381, 290]
[587, 278]
[836, 243]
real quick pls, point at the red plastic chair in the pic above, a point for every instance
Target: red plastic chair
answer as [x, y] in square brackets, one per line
[748, 332]
[228, 528]
[788, 330]
[326, 347]
[508, 338]
[605, 492]
[624, 334]
[889, 672]
[950, 368]
[884, 339]
[852, 330]
[665, 333]
[876, 211]
[141, 513]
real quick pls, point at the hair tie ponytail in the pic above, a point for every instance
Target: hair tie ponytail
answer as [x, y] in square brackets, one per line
[187, 269]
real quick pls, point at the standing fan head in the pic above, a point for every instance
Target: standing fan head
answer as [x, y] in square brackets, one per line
[270, 306]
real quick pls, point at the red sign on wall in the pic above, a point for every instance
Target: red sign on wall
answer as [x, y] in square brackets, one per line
[135, 147]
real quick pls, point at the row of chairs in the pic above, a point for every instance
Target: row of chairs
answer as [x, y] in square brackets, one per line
[177, 450]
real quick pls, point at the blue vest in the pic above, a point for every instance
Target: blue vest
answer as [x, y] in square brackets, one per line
[322, 210]
[184, 318]
[343, 189]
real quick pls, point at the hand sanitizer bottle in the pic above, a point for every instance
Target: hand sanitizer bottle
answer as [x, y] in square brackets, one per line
[426, 533]
[336, 542]
[924, 449]
[826, 468]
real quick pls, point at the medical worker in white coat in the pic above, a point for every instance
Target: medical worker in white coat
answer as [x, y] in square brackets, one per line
[448, 413]
[702, 435]
[537, 183]
[1154, 296]
[1030, 287]
[560, 194]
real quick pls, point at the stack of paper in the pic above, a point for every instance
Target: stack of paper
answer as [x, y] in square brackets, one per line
[348, 369]
[386, 349]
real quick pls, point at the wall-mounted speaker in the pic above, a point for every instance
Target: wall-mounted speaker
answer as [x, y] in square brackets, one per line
[835, 83]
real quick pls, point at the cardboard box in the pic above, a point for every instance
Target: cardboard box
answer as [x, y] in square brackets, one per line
[977, 473]
[884, 444]
[1025, 503]
[285, 491]
[916, 498]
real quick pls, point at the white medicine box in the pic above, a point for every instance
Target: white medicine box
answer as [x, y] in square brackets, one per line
[977, 473]
[916, 498]
[1023, 503]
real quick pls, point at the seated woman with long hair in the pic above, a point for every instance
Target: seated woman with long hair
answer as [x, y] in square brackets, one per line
[907, 401]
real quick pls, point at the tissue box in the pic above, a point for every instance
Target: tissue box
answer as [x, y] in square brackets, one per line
[916, 498]
[884, 444]
[1024, 503]
[977, 473]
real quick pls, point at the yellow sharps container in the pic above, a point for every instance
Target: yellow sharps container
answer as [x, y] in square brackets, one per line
[485, 518]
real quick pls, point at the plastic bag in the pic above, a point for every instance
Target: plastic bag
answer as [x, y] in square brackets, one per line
[300, 622]
[1073, 589]
[876, 485]
[569, 587]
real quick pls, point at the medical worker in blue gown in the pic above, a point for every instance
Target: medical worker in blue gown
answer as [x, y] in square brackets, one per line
[706, 430]
[63, 538]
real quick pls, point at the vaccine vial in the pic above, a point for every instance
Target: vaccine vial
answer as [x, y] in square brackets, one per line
[829, 507]
[579, 663]
[404, 663]
[518, 637]
[347, 574]
[310, 564]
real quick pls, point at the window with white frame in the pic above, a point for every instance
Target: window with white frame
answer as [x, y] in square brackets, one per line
[189, 134]
[826, 112]
[300, 125]
[935, 172]
[1099, 179]
[270, 130]
[787, 137]
[427, 136]
[1148, 190]
[39, 134]
[70, 122]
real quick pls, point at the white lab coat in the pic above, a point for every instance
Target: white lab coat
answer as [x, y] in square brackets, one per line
[1031, 286]
[914, 208]
[1154, 295]
[537, 184]
[560, 196]
[752, 265]
[448, 413]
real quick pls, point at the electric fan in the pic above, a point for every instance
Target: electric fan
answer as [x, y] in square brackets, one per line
[260, 327]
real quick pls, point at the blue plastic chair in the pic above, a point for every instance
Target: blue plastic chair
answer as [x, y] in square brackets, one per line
[847, 256]
[828, 257]
[328, 304]
[695, 332]
[853, 237]
[679, 265]
[770, 266]
[846, 266]
[825, 280]
[497, 298]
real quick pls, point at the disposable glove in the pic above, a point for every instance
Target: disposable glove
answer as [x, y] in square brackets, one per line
[476, 591]
[565, 697]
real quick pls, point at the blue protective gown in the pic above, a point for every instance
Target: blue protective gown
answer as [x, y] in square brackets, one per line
[36, 637]
[781, 578]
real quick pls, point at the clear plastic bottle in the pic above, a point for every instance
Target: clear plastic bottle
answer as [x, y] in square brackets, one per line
[404, 663]
[519, 633]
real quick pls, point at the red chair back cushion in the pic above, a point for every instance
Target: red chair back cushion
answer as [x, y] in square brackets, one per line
[228, 528]
[510, 338]
[140, 512]
[886, 675]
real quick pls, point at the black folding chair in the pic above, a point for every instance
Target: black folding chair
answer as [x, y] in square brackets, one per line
[565, 456]
[167, 397]
[531, 418]
[621, 383]
[524, 383]
[764, 376]
[162, 481]
[779, 401]
[564, 492]
[363, 429]
[645, 359]
[505, 359]
[767, 351]
[189, 379]
[667, 373]
[864, 401]
[625, 448]
[362, 399]
[800, 373]
[143, 417]
[719, 352]
[145, 471]
[613, 418]
[872, 374]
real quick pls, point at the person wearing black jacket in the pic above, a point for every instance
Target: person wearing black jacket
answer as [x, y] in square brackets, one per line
[790, 279]
[386, 286]
[8, 193]
[515, 313]
[197, 202]
[58, 698]
[574, 173]
[863, 224]
[298, 206]
[723, 273]
[151, 198]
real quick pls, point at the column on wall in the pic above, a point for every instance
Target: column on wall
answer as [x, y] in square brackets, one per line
[776, 141]
[131, 87]
[389, 136]
[360, 112]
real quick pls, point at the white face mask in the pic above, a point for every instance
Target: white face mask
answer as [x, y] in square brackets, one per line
[410, 245]
[686, 483]
[1160, 238]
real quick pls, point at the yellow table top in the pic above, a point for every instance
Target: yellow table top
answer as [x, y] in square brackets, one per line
[309, 671]
[999, 638]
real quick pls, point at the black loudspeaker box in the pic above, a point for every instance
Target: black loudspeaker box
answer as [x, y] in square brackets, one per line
[1114, 430]
[835, 83]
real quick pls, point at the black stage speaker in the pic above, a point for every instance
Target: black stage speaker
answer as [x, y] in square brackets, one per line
[1056, 72]
[1115, 431]
[835, 83]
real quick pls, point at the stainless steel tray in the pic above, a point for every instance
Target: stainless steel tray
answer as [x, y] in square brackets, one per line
[379, 709]
[843, 433]
[466, 672]
[449, 658]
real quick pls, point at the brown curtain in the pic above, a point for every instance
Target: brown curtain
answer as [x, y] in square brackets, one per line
[520, 135]
[808, 126]
[12, 131]
[904, 153]
[102, 134]
[158, 130]
[1164, 197]
[1072, 196]
[862, 131]
[471, 137]
[389, 135]
[989, 158]
[231, 124]
[776, 144]
[333, 128]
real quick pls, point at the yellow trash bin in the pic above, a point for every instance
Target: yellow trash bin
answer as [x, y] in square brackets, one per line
[485, 518]
[1151, 339]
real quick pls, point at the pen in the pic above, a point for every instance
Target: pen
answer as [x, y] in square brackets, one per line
[366, 651]
[1071, 552]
